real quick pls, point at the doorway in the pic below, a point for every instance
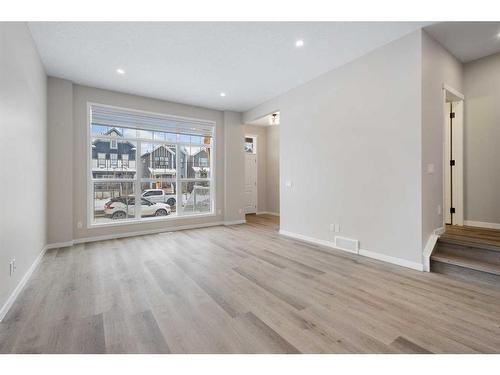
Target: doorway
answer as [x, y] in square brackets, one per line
[250, 174]
[453, 156]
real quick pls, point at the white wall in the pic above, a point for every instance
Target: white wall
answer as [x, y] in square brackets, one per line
[350, 143]
[438, 67]
[482, 140]
[234, 167]
[60, 160]
[273, 169]
[23, 119]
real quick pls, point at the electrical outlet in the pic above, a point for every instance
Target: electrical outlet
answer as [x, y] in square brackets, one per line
[79, 225]
[219, 211]
[440, 209]
[240, 211]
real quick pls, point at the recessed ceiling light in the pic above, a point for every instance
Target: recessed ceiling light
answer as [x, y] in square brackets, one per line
[120, 71]
[223, 94]
[299, 43]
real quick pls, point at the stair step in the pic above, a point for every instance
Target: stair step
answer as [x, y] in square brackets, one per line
[467, 242]
[458, 259]
[467, 275]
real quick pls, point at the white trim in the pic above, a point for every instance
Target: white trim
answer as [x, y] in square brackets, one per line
[235, 222]
[482, 224]
[367, 253]
[458, 174]
[439, 231]
[18, 289]
[453, 91]
[309, 239]
[268, 213]
[390, 259]
[57, 245]
[151, 219]
[429, 248]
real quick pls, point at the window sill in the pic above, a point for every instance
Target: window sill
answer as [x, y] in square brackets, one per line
[150, 220]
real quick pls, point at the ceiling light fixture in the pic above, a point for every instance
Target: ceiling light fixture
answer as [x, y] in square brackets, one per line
[222, 94]
[120, 71]
[273, 119]
[299, 43]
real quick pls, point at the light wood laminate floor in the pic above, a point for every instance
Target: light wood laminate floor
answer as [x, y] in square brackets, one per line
[242, 289]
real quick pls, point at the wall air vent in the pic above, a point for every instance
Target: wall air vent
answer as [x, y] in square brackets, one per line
[347, 244]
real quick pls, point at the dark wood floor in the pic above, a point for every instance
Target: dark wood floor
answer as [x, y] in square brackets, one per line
[242, 289]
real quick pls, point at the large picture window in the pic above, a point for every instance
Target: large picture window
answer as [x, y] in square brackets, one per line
[146, 166]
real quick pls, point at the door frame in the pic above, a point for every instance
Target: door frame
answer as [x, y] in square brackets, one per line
[458, 148]
[256, 153]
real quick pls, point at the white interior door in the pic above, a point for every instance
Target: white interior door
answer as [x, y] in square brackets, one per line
[250, 183]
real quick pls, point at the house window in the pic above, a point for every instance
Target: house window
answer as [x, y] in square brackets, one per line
[114, 160]
[125, 160]
[250, 145]
[101, 160]
[161, 162]
[144, 157]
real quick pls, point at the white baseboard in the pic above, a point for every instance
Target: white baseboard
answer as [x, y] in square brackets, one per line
[268, 213]
[481, 224]
[390, 259]
[312, 240]
[57, 245]
[18, 289]
[235, 222]
[367, 253]
[439, 231]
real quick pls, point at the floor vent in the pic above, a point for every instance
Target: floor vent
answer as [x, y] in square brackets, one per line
[347, 244]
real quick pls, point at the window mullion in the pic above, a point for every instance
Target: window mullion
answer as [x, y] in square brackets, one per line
[138, 170]
[178, 187]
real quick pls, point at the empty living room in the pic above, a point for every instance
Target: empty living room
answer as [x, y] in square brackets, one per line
[197, 180]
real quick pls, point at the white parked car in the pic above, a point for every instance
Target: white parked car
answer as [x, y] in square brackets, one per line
[159, 196]
[123, 207]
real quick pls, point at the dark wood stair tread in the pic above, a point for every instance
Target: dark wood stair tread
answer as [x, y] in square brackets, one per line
[466, 262]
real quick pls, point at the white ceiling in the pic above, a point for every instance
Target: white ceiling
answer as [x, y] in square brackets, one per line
[194, 62]
[467, 40]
